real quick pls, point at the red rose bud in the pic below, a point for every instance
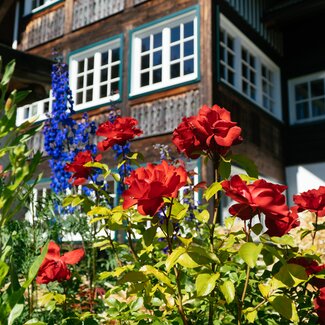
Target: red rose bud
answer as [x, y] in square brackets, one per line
[80, 172]
[312, 200]
[211, 131]
[54, 267]
[149, 185]
[123, 129]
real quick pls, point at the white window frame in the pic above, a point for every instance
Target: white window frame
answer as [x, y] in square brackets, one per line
[95, 51]
[292, 101]
[242, 42]
[165, 27]
[28, 8]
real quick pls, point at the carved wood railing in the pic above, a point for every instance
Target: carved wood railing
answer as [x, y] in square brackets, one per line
[137, 2]
[164, 115]
[86, 12]
[43, 28]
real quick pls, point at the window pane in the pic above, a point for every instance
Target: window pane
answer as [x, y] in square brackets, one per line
[26, 113]
[157, 58]
[175, 34]
[188, 48]
[223, 71]
[175, 70]
[230, 59]
[302, 110]
[244, 71]
[189, 66]
[231, 77]
[145, 61]
[81, 66]
[253, 92]
[301, 91]
[90, 63]
[145, 44]
[188, 29]
[156, 75]
[115, 71]
[80, 82]
[157, 40]
[89, 95]
[103, 74]
[145, 79]
[174, 52]
[114, 88]
[115, 54]
[103, 91]
[318, 107]
[230, 42]
[90, 79]
[252, 76]
[222, 53]
[104, 58]
[317, 88]
[79, 98]
[46, 107]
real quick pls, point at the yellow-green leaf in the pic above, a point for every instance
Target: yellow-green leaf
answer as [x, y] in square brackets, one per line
[212, 190]
[186, 261]
[150, 270]
[203, 216]
[285, 307]
[205, 283]
[228, 291]
[249, 253]
[173, 257]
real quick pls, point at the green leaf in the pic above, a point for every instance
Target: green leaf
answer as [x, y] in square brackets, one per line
[212, 190]
[291, 275]
[150, 270]
[173, 257]
[136, 304]
[186, 261]
[250, 314]
[203, 216]
[285, 307]
[133, 276]
[15, 313]
[4, 269]
[228, 291]
[224, 168]
[149, 235]
[205, 283]
[264, 289]
[9, 70]
[249, 253]
[34, 322]
[247, 164]
[257, 229]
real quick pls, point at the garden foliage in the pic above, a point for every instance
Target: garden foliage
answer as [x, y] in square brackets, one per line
[171, 261]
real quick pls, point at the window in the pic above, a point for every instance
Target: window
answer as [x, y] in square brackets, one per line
[36, 5]
[307, 98]
[247, 69]
[95, 74]
[164, 54]
[227, 60]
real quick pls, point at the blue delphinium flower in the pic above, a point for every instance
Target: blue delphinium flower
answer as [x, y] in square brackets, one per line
[63, 136]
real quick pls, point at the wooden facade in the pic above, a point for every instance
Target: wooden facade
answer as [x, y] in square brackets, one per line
[74, 24]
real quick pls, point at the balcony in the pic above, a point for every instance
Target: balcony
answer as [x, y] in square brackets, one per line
[86, 12]
[43, 28]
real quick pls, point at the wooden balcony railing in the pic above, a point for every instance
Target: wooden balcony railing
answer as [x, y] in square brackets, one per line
[86, 12]
[43, 28]
[163, 115]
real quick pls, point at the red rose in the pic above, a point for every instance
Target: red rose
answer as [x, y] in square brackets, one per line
[185, 139]
[210, 131]
[261, 197]
[119, 132]
[149, 185]
[54, 266]
[80, 172]
[319, 304]
[312, 200]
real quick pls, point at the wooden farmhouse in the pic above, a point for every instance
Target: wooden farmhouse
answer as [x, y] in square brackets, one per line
[160, 60]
